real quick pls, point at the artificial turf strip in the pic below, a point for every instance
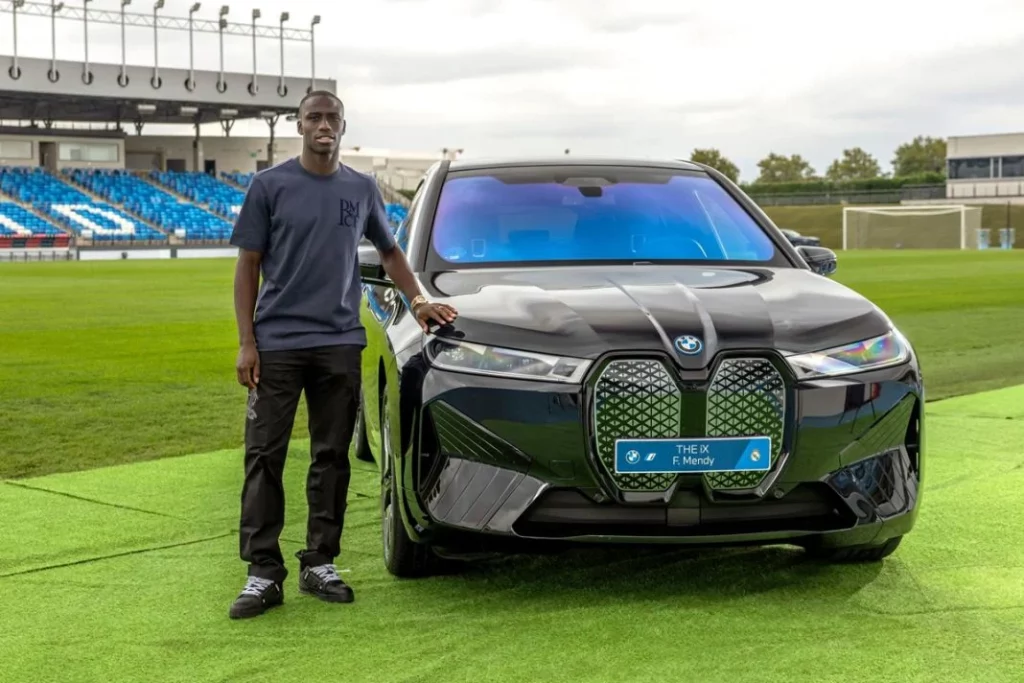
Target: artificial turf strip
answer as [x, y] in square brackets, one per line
[42, 529]
[948, 606]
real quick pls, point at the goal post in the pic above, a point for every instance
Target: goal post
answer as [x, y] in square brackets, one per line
[944, 226]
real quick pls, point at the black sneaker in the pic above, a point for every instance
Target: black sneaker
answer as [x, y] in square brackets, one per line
[323, 582]
[257, 597]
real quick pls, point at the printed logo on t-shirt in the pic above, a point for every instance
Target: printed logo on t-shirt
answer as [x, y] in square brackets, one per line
[349, 213]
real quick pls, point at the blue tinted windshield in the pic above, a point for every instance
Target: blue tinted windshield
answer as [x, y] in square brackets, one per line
[592, 214]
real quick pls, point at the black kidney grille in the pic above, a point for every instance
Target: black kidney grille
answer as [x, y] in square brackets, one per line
[747, 397]
[635, 399]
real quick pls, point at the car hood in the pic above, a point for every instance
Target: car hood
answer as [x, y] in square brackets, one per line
[586, 312]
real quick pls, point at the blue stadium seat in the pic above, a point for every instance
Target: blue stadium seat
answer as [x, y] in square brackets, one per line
[15, 221]
[77, 211]
[203, 189]
[153, 204]
[240, 179]
[396, 214]
[71, 208]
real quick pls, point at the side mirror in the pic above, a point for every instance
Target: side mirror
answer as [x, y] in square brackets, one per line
[821, 260]
[371, 272]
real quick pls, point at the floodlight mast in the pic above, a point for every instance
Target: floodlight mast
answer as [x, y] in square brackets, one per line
[55, 7]
[123, 78]
[282, 90]
[190, 86]
[223, 24]
[254, 87]
[15, 70]
[312, 53]
[86, 74]
[155, 80]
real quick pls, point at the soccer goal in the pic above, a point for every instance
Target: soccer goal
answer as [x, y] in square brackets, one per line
[946, 226]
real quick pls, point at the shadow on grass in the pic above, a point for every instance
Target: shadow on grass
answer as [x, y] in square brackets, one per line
[625, 574]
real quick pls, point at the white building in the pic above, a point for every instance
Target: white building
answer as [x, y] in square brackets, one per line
[986, 168]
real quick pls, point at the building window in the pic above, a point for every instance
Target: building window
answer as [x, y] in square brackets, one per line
[1013, 167]
[88, 151]
[961, 169]
[15, 149]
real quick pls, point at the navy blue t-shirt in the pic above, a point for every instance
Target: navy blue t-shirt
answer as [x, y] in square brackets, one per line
[308, 227]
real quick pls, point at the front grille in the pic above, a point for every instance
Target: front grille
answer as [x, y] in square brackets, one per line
[635, 399]
[639, 398]
[747, 397]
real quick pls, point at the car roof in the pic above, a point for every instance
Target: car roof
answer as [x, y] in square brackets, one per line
[512, 162]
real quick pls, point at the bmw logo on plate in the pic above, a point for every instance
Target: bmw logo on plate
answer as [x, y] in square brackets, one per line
[688, 345]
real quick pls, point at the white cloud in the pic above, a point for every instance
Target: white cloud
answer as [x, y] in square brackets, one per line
[630, 77]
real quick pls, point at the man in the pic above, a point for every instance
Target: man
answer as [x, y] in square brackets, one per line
[300, 226]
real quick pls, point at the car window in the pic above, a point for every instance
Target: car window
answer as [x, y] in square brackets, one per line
[592, 214]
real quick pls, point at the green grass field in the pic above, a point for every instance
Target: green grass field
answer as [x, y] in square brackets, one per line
[106, 363]
[118, 563]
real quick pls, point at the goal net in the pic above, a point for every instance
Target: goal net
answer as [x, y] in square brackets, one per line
[911, 227]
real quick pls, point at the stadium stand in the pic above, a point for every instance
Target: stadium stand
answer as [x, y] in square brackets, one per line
[204, 189]
[72, 209]
[240, 179]
[151, 203]
[15, 221]
[204, 206]
[396, 212]
[23, 229]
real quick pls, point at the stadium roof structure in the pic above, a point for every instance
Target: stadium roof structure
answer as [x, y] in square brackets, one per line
[48, 90]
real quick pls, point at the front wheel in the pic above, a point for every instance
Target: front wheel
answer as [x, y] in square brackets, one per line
[403, 557]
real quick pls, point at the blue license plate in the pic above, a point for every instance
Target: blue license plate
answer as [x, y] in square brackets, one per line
[698, 455]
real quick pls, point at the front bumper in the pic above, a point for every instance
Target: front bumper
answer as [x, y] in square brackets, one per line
[531, 460]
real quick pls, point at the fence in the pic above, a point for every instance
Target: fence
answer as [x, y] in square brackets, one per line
[906, 193]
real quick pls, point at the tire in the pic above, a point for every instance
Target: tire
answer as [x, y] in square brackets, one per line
[855, 553]
[403, 557]
[359, 438]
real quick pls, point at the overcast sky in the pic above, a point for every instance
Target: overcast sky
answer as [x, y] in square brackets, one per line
[629, 77]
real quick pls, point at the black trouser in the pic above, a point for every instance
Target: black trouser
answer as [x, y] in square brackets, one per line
[330, 377]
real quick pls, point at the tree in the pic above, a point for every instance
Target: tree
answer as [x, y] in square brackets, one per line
[855, 164]
[713, 158]
[776, 168]
[922, 155]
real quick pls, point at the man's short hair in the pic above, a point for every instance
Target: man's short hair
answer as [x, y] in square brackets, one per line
[321, 93]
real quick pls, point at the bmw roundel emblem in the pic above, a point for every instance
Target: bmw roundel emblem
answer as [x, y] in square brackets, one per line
[688, 345]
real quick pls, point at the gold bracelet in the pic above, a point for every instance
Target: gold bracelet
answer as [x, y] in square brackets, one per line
[417, 301]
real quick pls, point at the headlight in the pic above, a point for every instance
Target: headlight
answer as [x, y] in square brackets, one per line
[491, 360]
[871, 354]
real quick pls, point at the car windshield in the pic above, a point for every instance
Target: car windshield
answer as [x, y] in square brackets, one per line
[539, 215]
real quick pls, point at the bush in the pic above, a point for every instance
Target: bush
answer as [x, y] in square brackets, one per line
[830, 187]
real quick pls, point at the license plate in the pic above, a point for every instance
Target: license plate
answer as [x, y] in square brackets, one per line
[699, 455]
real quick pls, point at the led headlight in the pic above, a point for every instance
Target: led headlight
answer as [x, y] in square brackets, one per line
[870, 354]
[491, 360]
